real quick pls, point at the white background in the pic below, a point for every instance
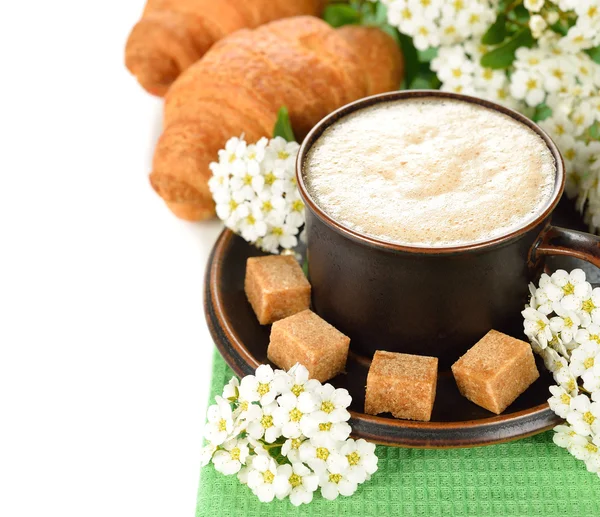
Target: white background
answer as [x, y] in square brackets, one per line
[104, 352]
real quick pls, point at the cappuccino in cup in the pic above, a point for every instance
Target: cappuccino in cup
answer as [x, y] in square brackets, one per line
[430, 172]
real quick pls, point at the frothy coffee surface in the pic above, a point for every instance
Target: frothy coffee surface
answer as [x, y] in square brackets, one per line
[430, 172]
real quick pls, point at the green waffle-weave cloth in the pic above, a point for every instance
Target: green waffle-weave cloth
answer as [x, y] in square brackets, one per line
[526, 478]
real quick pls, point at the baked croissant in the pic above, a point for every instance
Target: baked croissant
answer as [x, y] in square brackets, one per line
[173, 34]
[240, 84]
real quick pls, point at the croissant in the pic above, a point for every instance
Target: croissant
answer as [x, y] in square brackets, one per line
[173, 34]
[240, 84]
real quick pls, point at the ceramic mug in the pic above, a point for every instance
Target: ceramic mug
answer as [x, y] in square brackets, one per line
[421, 300]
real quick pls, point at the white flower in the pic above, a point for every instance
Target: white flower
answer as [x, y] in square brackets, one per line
[263, 424]
[567, 380]
[220, 422]
[583, 448]
[264, 386]
[298, 482]
[584, 357]
[527, 85]
[206, 453]
[583, 415]
[552, 360]
[537, 327]
[261, 477]
[534, 6]
[537, 24]
[560, 402]
[361, 458]
[577, 38]
[322, 428]
[336, 482]
[564, 436]
[231, 390]
[565, 324]
[230, 458]
[291, 448]
[298, 381]
[282, 234]
[332, 403]
[294, 413]
[321, 454]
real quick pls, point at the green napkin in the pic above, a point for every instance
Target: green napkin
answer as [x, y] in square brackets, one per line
[526, 478]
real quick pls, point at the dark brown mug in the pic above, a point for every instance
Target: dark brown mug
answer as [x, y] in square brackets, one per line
[429, 301]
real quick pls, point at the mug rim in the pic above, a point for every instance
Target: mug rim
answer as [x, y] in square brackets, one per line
[332, 118]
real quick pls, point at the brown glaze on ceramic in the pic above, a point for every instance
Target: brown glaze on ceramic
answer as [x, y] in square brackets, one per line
[429, 301]
[456, 422]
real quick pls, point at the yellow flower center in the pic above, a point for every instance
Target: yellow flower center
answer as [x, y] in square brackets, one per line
[588, 418]
[296, 442]
[266, 421]
[335, 478]
[251, 220]
[541, 324]
[458, 5]
[488, 73]
[568, 288]
[297, 389]
[565, 399]
[557, 365]
[456, 72]
[533, 61]
[235, 453]
[558, 73]
[267, 206]
[322, 453]
[353, 458]
[263, 388]
[588, 363]
[579, 120]
[244, 406]
[588, 305]
[222, 425]
[295, 480]
[325, 427]
[425, 3]
[232, 158]
[531, 84]
[474, 18]
[451, 29]
[592, 11]
[277, 231]
[270, 178]
[283, 155]
[571, 385]
[423, 31]
[568, 322]
[268, 476]
[501, 93]
[406, 13]
[595, 337]
[570, 154]
[295, 415]
[247, 179]
[327, 406]
[297, 206]
[578, 39]
[232, 205]
[592, 448]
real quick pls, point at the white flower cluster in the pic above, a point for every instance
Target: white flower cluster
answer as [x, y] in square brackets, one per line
[284, 434]
[555, 73]
[562, 322]
[432, 23]
[255, 191]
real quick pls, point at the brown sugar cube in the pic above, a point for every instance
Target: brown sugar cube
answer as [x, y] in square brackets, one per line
[307, 339]
[401, 384]
[495, 371]
[276, 287]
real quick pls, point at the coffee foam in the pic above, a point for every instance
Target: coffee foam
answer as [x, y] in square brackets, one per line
[430, 172]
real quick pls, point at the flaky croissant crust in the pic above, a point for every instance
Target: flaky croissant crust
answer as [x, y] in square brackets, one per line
[240, 84]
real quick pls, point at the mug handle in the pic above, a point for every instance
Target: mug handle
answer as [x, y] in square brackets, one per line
[562, 241]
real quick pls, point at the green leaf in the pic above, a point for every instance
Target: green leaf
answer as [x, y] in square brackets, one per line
[305, 267]
[411, 58]
[283, 126]
[380, 14]
[594, 131]
[542, 112]
[594, 53]
[425, 56]
[338, 15]
[496, 33]
[393, 32]
[504, 55]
